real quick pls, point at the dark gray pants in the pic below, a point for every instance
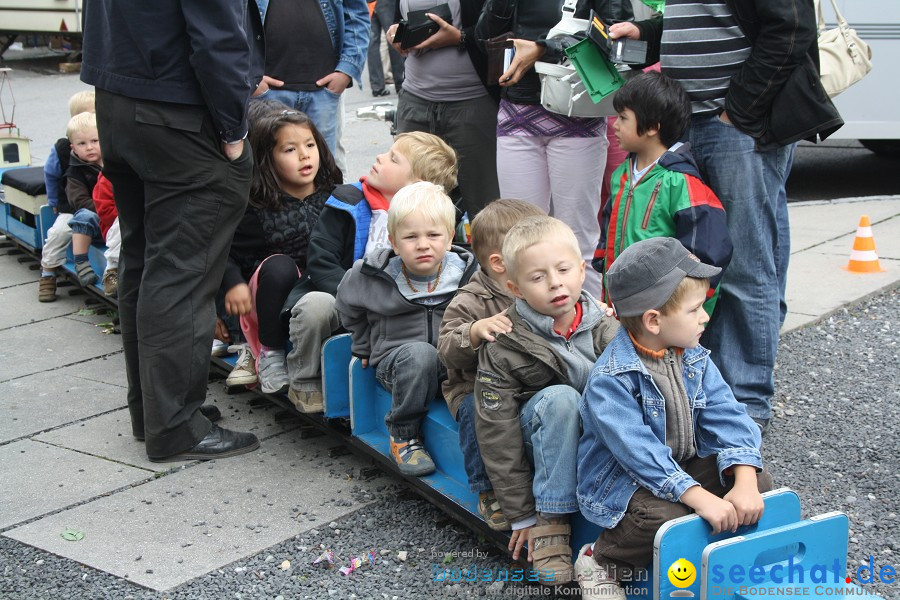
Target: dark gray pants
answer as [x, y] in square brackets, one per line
[413, 374]
[382, 19]
[470, 128]
[179, 201]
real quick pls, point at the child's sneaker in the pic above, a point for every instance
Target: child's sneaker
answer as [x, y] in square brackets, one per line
[489, 509]
[219, 348]
[244, 372]
[273, 377]
[86, 274]
[110, 283]
[411, 457]
[307, 401]
[47, 289]
[593, 577]
[550, 546]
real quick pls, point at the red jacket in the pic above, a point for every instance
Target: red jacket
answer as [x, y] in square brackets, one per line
[105, 204]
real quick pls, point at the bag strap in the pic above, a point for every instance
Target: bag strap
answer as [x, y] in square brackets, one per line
[842, 25]
[568, 8]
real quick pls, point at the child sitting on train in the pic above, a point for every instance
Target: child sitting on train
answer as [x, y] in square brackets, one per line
[528, 385]
[387, 297]
[107, 229]
[53, 253]
[353, 224]
[475, 316]
[294, 174]
[663, 433]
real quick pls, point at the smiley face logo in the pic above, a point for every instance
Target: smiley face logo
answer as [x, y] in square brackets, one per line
[682, 573]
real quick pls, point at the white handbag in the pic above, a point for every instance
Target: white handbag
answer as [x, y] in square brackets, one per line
[844, 58]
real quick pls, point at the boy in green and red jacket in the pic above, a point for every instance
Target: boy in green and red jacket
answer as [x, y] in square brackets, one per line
[657, 191]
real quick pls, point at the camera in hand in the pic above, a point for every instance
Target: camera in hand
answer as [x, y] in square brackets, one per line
[417, 28]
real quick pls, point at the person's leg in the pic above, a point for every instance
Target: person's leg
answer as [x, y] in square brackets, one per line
[783, 249]
[412, 373]
[743, 331]
[373, 58]
[468, 443]
[385, 11]
[186, 211]
[576, 168]
[340, 153]
[113, 246]
[276, 278]
[85, 227]
[551, 427]
[53, 254]
[414, 113]
[322, 107]
[470, 127]
[313, 320]
[522, 170]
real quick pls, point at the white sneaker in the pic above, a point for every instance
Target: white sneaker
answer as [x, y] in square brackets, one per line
[594, 580]
[244, 372]
[273, 377]
[219, 348]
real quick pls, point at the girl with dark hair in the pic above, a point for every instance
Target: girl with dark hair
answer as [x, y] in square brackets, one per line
[294, 174]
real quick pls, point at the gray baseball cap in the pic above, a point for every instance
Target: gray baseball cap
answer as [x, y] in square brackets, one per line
[647, 273]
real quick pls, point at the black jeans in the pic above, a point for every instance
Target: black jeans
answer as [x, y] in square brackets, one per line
[179, 201]
[275, 281]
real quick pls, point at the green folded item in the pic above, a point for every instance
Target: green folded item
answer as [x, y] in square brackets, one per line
[598, 74]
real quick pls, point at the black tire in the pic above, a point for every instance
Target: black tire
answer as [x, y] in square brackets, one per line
[888, 148]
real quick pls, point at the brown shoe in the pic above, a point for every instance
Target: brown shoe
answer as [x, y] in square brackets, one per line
[47, 289]
[489, 509]
[110, 283]
[307, 401]
[550, 546]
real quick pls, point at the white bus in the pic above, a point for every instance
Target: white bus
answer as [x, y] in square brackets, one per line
[871, 108]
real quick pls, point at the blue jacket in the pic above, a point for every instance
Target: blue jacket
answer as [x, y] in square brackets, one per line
[623, 444]
[348, 25]
[199, 53]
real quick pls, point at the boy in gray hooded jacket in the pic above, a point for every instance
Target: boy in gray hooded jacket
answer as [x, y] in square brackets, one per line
[392, 302]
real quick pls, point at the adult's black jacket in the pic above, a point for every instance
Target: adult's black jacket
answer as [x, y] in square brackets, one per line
[208, 53]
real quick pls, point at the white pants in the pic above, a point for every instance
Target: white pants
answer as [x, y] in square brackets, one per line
[563, 176]
[53, 254]
[113, 245]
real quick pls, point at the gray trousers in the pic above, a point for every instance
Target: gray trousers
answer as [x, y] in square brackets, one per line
[313, 320]
[179, 202]
[412, 373]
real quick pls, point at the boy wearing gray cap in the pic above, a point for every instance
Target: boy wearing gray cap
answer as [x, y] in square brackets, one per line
[663, 435]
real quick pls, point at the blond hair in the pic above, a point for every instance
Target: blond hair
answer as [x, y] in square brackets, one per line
[687, 285]
[430, 158]
[534, 230]
[490, 226]
[81, 122]
[81, 102]
[426, 198]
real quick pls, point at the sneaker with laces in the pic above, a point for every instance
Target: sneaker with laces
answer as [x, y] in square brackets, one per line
[86, 274]
[595, 578]
[47, 289]
[411, 457]
[273, 377]
[110, 283]
[307, 401]
[219, 348]
[489, 509]
[244, 371]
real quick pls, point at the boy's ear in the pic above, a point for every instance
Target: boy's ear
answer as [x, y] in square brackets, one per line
[496, 264]
[514, 289]
[650, 321]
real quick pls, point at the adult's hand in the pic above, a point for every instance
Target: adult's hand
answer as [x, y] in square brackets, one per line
[625, 29]
[336, 82]
[391, 34]
[527, 53]
[233, 151]
[447, 35]
[266, 83]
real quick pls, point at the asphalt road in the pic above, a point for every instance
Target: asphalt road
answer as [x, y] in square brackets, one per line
[834, 169]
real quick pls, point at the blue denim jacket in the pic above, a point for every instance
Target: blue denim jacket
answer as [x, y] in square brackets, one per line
[624, 419]
[348, 25]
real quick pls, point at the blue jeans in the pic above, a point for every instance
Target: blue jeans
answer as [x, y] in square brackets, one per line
[412, 373]
[468, 443]
[86, 222]
[551, 427]
[743, 331]
[321, 106]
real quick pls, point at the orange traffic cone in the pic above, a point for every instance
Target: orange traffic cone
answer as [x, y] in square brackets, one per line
[863, 258]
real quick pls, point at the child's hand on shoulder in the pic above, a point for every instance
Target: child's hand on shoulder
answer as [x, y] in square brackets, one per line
[608, 310]
[718, 512]
[744, 496]
[238, 300]
[485, 330]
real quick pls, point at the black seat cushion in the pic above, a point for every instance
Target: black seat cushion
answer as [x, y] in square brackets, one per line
[27, 179]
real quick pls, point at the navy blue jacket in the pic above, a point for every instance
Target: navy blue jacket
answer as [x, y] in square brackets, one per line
[209, 53]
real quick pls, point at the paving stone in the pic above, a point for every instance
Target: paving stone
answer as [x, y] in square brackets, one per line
[28, 309]
[205, 516]
[50, 344]
[39, 478]
[105, 369]
[38, 402]
[109, 435]
[13, 273]
[810, 229]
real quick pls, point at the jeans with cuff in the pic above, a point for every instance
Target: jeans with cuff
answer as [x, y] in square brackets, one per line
[412, 373]
[551, 427]
[86, 222]
[465, 416]
[743, 331]
[321, 106]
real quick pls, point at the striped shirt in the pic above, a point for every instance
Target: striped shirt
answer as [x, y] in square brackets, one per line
[702, 47]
